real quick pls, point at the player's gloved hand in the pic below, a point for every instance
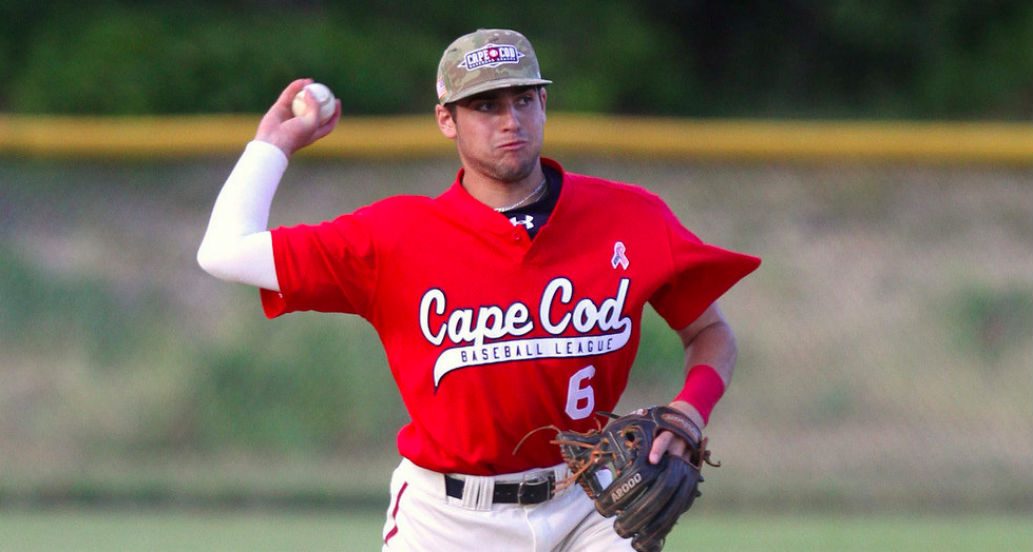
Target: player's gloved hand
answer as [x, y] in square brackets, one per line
[282, 129]
[646, 498]
[670, 443]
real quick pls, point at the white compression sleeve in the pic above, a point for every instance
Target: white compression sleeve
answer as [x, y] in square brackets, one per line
[237, 246]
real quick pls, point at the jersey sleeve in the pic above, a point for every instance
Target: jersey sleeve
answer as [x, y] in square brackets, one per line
[328, 267]
[700, 273]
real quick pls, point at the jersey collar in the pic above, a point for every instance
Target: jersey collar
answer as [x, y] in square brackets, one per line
[479, 215]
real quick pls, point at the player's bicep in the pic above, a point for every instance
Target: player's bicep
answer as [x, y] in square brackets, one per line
[711, 316]
[246, 259]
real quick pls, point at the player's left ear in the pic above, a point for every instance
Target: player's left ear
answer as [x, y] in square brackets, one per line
[446, 121]
[543, 95]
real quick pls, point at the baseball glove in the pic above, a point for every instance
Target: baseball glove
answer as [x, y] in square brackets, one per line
[646, 499]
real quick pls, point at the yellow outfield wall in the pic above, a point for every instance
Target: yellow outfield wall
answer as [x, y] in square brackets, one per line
[418, 136]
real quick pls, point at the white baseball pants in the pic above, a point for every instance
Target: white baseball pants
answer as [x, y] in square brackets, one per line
[422, 518]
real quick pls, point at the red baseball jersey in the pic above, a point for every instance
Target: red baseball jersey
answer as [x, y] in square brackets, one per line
[490, 335]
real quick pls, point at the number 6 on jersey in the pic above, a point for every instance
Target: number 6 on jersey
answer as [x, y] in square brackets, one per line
[580, 395]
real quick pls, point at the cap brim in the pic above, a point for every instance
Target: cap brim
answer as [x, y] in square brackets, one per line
[492, 85]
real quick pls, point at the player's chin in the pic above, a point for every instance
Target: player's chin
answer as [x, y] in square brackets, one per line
[514, 165]
[514, 172]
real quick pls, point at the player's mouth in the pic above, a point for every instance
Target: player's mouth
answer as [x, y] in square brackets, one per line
[512, 145]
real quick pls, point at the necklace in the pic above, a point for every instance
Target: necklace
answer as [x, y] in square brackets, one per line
[527, 197]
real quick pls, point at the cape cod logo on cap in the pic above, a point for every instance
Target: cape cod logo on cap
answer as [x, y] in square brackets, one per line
[487, 59]
[490, 55]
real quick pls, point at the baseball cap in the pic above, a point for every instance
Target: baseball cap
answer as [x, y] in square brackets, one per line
[486, 59]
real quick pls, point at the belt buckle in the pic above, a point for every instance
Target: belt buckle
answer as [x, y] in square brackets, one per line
[534, 481]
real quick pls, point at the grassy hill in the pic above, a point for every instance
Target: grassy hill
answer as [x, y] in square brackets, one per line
[886, 344]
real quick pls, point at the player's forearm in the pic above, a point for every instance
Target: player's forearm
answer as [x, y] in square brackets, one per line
[714, 346]
[710, 355]
[236, 245]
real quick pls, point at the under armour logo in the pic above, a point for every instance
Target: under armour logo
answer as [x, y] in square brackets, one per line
[528, 221]
[619, 258]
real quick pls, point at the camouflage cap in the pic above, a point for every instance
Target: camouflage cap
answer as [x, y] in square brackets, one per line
[486, 59]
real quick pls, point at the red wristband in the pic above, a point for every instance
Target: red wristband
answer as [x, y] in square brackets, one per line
[703, 388]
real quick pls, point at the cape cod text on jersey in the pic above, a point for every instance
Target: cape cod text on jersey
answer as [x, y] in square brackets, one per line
[469, 328]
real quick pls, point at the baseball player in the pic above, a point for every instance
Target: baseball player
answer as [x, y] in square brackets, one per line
[509, 303]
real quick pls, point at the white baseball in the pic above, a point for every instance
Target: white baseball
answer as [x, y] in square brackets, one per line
[323, 96]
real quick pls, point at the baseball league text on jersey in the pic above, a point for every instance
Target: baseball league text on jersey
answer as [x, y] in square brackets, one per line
[494, 323]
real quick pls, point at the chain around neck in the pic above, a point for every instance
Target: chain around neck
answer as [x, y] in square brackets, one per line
[524, 200]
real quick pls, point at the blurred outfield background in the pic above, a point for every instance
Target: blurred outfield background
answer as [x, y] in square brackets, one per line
[877, 155]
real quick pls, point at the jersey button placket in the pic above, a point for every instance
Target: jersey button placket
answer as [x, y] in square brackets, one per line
[520, 242]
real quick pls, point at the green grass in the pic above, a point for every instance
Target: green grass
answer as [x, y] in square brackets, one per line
[896, 533]
[88, 531]
[163, 531]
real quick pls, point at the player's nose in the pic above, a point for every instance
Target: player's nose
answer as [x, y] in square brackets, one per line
[509, 116]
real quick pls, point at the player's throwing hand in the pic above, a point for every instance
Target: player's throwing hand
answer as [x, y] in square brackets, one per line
[281, 128]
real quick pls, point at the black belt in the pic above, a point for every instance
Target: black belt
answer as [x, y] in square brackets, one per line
[526, 492]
